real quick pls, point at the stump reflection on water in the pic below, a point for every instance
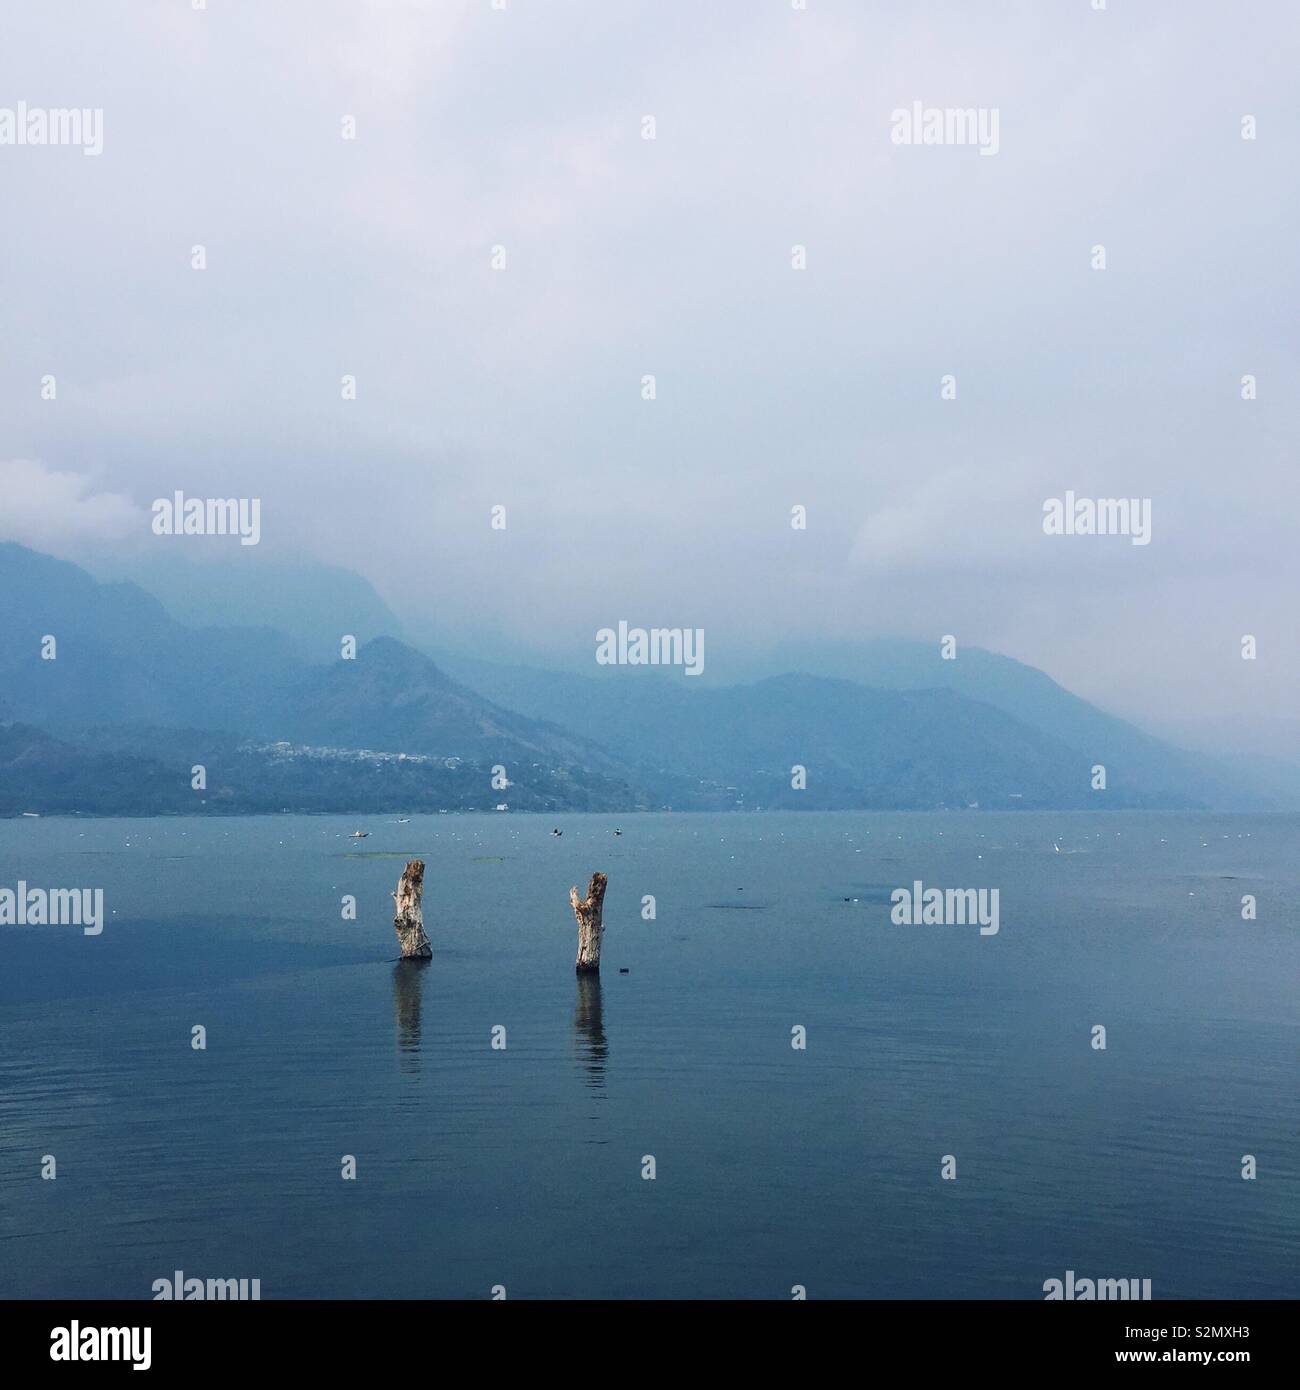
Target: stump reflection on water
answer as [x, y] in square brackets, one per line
[589, 1029]
[408, 1005]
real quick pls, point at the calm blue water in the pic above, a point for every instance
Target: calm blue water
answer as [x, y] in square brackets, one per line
[775, 1167]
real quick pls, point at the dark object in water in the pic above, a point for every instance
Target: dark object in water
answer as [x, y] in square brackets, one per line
[622, 969]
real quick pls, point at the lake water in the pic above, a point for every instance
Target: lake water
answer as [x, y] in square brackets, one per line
[774, 1166]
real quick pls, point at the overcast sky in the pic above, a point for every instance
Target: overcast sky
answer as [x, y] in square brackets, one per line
[522, 128]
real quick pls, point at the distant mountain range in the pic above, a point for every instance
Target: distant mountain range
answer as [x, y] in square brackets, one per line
[312, 604]
[891, 723]
[135, 699]
[130, 691]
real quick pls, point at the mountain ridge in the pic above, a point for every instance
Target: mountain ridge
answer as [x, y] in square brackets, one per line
[999, 735]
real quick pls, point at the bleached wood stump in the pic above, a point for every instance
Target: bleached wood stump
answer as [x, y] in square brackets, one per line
[590, 926]
[409, 921]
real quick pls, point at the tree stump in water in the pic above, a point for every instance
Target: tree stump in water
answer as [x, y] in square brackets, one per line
[590, 927]
[409, 922]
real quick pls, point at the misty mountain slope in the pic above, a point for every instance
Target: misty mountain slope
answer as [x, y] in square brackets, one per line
[120, 656]
[47, 775]
[122, 662]
[860, 746]
[105, 634]
[394, 698]
[637, 713]
[131, 770]
[868, 747]
[39, 595]
[625, 737]
[316, 605]
[1033, 697]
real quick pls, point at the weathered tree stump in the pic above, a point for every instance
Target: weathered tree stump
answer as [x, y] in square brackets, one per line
[409, 922]
[590, 927]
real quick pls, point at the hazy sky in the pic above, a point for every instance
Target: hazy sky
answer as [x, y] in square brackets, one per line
[522, 128]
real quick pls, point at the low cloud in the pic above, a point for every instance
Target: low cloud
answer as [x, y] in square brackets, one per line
[63, 513]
